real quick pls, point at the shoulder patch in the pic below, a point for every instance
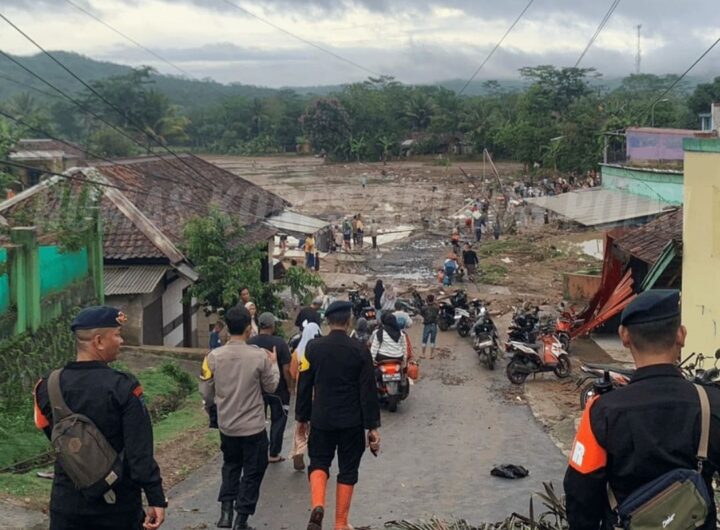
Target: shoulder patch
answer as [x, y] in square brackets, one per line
[41, 421]
[205, 372]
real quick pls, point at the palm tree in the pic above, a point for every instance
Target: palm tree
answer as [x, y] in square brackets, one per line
[386, 143]
[357, 145]
[419, 109]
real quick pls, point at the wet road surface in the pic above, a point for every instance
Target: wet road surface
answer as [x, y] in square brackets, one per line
[436, 456]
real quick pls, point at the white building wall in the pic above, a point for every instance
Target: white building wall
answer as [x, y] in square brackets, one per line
[173, 310]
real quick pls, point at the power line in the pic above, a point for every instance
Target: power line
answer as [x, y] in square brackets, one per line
[601, 26]
[492, 52]
[675, 83]
[102, 98]
[129, 39]
[28, 86]
[301, 39]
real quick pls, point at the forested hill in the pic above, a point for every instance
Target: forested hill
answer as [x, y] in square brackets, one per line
[187, 93]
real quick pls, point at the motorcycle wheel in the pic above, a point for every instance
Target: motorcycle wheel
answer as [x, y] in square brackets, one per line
[491, 361]
[564, 339]
[443, 324]
[515, 377]
[392, 403]
[563, 368]
[463, 330]
[586, 394]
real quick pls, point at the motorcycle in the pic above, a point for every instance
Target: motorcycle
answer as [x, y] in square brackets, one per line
[547, 355]
[361, 307]
[617, 376]
[446, 316]
[565, 324]
[486, 341]
[525, 325]
[412, 307]
[393, 385]
[696, 371]
[465, 318]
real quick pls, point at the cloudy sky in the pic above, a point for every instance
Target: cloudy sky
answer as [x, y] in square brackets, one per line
[417, 41]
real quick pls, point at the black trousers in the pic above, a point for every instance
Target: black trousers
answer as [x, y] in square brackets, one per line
[112, 521]
[374, 241]
[278, 420]
[245, 459]
[350, 446]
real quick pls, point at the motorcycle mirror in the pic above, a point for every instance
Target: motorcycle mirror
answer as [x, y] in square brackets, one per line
[717, 354]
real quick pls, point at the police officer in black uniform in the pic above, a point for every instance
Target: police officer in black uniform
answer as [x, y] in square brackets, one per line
[630, 436]
[337, 395]
[113, 400]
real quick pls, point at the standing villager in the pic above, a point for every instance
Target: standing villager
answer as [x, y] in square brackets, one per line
[388, 300]
[216, 335]
[250, 306]
[360, 231]
[337, 401]
[361, 331]
[354, 230]
[300, 437]
[430, 315]
[278, 402]
[470, 260]
[234, 377]
[347, 234]
[99, 488]
[496, 229]
[338, 239]
[634, 435]
[310, 313]
[373, 231]
[450, 268]
[378, 291]
[309, 248]
[244, 295]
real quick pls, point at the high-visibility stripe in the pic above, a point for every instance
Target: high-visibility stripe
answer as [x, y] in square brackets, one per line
[205, 372]
[587, 455]
[41, 421]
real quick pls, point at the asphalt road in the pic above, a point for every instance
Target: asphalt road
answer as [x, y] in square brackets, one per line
[437, 453]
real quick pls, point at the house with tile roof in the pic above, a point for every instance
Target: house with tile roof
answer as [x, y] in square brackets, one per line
[144, 203]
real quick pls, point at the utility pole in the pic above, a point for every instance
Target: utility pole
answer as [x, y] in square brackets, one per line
[638, 57]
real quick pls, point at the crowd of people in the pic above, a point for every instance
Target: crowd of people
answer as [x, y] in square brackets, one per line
[351, 234]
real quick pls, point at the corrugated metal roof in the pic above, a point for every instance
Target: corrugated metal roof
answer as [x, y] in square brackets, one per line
[133, 279]
[296, 222]
[595, 207]
[37, 155]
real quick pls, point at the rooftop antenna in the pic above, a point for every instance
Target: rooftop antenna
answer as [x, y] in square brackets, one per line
[638, 57]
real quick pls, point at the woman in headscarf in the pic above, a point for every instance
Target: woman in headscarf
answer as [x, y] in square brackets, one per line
[300, 440]
[388, 300]
[361, 331]
[379, 290]
[250, 306]
[388, 342]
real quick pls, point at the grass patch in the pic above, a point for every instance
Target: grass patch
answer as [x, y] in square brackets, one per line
[503, 246]
[492, 273]
[188, 416]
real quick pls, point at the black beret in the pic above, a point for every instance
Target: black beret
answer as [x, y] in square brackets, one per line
[652, 306]
[338, 306]
[101, 316]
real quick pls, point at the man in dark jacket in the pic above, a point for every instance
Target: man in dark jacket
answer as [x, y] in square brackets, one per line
[113, 400]
[310, 313]
[633, 435]
[337, 400]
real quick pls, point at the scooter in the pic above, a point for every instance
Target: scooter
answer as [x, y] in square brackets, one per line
[393, 385]
[525, 325]
[446, 316]
[361, 307]
[617, 376]
[486, 341]
[547, 355]
[565, 324]
[465, 318]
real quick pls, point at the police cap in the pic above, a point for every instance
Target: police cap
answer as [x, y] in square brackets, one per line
[338, 306]
[652, 306]
[98, 317]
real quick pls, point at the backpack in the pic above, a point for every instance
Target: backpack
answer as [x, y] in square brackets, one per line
[450, 268]
[81, 449]
[677, 500]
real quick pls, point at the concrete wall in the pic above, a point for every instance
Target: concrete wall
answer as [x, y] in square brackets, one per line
[656, 145]
[172, 312]
[132, 306]
[653, 184]
[701, 246]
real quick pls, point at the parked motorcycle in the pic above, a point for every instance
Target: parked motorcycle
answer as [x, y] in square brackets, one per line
[565, 324]
[547, 355]
[486, 341]
[393, 385]
[617, 376]
[696, 371]
[465, 318]
[412, 307]
[525, 325]
[446, 316]
[361, 306]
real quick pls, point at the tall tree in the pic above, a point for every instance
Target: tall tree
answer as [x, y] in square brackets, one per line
[327, 125]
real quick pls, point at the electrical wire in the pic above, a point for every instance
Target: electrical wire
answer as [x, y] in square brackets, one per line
[492, 52]
[599, 29]
[102, 98]
[301, 39]
[129, 39]
[28, 86]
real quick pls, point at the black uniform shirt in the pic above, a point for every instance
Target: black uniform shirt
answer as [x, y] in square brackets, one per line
[113, 400]
[269, 342]
[338, 389]
[631, 436]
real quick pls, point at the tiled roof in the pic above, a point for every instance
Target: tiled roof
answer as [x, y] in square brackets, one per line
[70, 149]
[647, 242]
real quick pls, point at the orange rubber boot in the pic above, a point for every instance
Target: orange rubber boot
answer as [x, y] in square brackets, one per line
[318, 487]
[342, 508]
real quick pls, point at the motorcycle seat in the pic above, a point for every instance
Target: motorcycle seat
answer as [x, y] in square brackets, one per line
[612, 368]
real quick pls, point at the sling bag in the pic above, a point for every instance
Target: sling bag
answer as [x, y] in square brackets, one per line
[677, 500]
[81, 449]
